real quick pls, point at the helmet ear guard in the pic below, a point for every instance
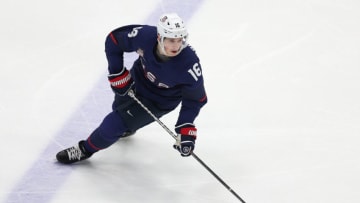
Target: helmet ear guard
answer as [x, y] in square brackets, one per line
[171, 26]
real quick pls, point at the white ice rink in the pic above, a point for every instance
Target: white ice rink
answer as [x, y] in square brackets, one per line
[282, 124]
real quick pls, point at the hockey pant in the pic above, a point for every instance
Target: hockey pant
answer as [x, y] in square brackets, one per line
[127, 116]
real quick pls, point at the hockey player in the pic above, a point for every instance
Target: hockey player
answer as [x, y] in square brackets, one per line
[166, 73]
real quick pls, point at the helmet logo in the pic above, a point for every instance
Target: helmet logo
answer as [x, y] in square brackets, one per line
[164, 19]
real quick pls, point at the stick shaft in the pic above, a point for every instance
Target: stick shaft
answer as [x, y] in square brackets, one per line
[132, 95]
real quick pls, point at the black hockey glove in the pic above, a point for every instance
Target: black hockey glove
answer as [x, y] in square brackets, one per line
[185, 142]
[121, 82]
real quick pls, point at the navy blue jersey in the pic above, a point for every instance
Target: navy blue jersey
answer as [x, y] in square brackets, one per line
[166, 83]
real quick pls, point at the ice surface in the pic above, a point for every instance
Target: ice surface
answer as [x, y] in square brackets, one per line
[281, 125]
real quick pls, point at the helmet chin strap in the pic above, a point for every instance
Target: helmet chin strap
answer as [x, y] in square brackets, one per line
[162, 46]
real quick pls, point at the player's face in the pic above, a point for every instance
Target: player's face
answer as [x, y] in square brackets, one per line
[172, 46]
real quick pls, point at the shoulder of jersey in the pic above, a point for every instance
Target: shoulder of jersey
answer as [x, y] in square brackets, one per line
[190, 53]
[148, 31]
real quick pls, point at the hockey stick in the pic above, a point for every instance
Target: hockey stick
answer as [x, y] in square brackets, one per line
[132, 95]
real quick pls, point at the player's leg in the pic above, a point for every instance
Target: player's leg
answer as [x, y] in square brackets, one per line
[109, 131]
[135, 117]
[128, 117]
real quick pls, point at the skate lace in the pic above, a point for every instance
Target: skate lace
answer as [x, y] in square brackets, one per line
[75, 153]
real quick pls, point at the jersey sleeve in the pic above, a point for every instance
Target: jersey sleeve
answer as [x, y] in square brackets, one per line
[120, 40]
[193, 99]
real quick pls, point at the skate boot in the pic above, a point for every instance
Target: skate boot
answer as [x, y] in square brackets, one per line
[73, 154]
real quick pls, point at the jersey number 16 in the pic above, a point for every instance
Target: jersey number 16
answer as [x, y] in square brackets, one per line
[195, 71]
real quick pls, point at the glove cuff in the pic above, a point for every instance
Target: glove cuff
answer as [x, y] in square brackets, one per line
[188, 129]
[120, 81]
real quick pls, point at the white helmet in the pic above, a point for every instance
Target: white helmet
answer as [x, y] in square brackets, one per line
[171, 25]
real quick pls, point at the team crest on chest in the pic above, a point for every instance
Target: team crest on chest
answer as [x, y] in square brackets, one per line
[152, 78]
[163, 85]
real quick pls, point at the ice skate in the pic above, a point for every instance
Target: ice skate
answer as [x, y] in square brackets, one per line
[73, 154]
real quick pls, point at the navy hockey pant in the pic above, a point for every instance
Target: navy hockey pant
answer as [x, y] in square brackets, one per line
[127, 116]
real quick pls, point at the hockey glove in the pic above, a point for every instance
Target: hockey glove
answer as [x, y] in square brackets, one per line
[185, 141]
[121, 82]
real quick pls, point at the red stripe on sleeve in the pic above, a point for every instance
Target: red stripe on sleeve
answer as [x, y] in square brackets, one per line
[113, 38]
